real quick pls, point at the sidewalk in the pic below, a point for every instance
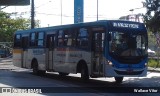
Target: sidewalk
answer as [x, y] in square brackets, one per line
[153, 69]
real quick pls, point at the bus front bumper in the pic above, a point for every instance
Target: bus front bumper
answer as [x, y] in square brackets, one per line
[124, 72]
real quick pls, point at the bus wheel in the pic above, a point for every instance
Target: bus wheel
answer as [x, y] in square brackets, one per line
[118, 80]
[35, 68]
[41, 72]
[63, 74]
[84, 74]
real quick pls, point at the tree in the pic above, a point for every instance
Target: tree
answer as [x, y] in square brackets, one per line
[152, 16]
[8, 26]
[152, 20]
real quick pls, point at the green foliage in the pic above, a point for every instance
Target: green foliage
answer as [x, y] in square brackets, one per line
[152, 17]
[8, 26]
[151, 40]
[153, 63]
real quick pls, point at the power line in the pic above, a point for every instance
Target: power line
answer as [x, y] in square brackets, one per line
[100, 16]
[43, 4]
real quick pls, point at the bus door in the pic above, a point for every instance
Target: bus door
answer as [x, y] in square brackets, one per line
[25, 51]
[50, 45]
[97, 49]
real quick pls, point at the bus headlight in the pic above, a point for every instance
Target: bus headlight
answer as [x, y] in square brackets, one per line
[110, 63]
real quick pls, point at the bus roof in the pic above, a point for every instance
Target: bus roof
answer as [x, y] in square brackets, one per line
[100, 22]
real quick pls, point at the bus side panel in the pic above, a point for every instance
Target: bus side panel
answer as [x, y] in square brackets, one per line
[25, 59]
[59, 61]
[66, 61]
[17, 57]
[39, 55]
[28, 58]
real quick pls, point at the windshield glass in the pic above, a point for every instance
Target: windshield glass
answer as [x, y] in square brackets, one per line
[127, 44]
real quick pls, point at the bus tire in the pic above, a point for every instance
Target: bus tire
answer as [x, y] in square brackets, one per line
[84, 73]
[63, 74]
[35, 68]
[118, 80]
[41, 72]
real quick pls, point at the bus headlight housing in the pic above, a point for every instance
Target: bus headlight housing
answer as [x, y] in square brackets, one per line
[110, 63]
[146, 64]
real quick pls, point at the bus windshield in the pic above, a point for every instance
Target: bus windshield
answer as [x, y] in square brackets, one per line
[126, 46]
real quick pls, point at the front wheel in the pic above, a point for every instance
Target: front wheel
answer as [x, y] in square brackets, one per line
[119, 79]
[36, 71]
[41, 72]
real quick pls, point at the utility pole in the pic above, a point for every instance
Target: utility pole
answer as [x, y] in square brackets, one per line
[97, 10]
[32, 15]
[61, 12]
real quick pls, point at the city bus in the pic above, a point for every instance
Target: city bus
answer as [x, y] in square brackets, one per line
[105, 48]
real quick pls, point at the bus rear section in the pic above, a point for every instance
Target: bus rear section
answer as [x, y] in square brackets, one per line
[17, 51]
[29, 50]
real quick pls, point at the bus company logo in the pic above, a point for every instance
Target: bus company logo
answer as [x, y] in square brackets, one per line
[125, 25]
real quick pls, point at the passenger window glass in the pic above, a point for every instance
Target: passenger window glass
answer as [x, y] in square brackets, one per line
[41, 39]
[41, 35]
[82, 40]
[33, 39]
[32, 36]
[83, 32]
[60, 38]
[17, 41]
[61, 33]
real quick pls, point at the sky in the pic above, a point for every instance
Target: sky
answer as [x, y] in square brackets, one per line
[49, 11]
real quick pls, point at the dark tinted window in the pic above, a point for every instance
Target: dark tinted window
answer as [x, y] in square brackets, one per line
[33, 39]
[40, 39]
[82, 39]
[17, 40]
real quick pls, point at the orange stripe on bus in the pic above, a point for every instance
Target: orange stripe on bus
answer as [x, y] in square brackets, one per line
[17, 51]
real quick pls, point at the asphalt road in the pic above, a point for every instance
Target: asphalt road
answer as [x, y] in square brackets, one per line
[52, 84]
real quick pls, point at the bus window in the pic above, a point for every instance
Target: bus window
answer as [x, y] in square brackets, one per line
[98, 41]
[83, 32]
[17, 40]
[67, 38]
[98, 33]
[73, 37]
[124, 44]
[41, 39]
[82, 39]
[60, 38]
[25, 42]
[33, 39]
